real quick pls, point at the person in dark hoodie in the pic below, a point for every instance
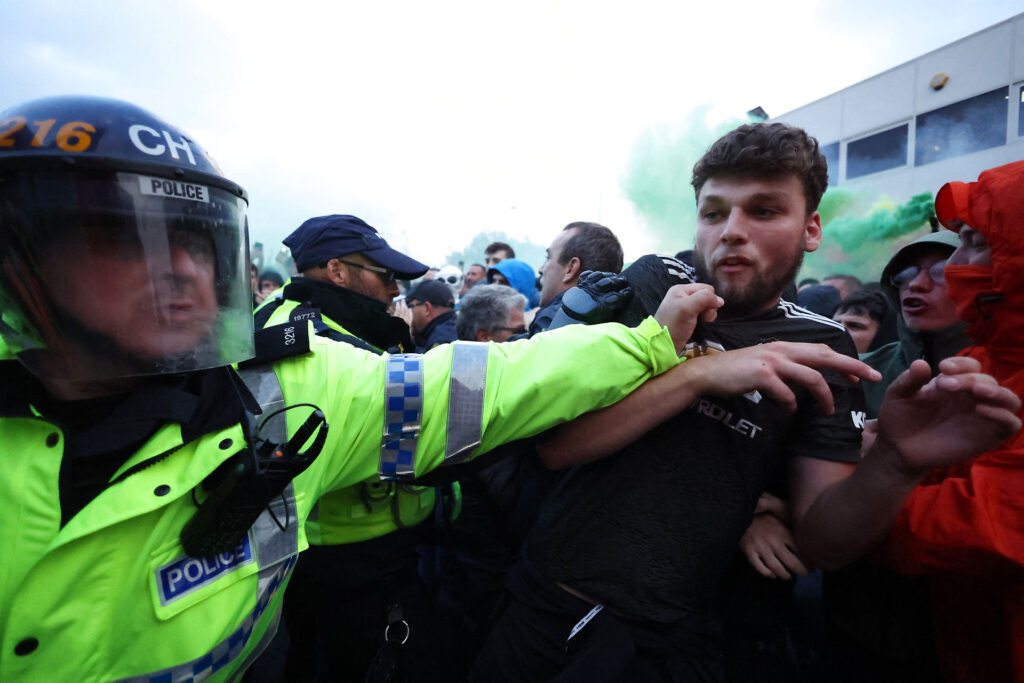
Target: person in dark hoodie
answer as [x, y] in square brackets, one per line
[519, 276]
[820, 299]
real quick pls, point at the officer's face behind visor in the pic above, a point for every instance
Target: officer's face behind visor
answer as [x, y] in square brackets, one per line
[127, 275]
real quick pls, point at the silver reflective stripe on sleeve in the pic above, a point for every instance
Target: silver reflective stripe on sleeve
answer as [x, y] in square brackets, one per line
[275, 540]
[275, 533]
[465, 400]
[403, 414]
[266, 388]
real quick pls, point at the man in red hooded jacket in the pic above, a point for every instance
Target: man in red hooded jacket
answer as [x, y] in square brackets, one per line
[964, 524]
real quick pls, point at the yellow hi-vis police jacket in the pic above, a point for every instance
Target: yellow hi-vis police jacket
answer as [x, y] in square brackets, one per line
[113, 596]
[368, 509]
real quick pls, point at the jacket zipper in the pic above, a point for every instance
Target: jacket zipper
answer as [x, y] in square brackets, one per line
[148, 462]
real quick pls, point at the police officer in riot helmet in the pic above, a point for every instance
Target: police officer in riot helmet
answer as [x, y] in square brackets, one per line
[124, 297]
[115, 263]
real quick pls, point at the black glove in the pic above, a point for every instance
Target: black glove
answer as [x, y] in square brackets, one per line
[597, 298]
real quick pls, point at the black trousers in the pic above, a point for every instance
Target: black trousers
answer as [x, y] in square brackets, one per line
[336, 624]
[531, 642]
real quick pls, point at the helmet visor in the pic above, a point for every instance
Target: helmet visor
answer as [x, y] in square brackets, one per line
[112, 274]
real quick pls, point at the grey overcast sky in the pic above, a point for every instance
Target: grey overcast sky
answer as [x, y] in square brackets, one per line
[434, 121]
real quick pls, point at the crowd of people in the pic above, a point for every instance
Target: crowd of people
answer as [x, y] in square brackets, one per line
[376, 470]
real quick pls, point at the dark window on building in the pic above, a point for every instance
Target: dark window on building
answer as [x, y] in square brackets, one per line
[877, 152]
[967, 126]
[831, 154]
[1020, 113]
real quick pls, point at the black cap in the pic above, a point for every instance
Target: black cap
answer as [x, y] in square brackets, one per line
[320, 239]
[432, 291]
[941, 240]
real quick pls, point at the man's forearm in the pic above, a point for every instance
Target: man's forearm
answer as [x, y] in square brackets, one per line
[852, 515]
[774, 369]
[595, 435]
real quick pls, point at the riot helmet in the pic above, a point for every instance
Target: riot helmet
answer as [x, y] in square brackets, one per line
[123, 248]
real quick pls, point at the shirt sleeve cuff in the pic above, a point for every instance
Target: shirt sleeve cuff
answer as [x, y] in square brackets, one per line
[660, 347]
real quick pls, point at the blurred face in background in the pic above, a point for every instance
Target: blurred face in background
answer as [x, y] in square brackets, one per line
[474, 275]
[496, 256]
[267, 286]
[514, 324]
[861, 326]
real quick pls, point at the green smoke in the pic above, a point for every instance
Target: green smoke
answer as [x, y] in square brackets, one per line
[657, 180]
[859, 240]
[835, 203]
[852, 232]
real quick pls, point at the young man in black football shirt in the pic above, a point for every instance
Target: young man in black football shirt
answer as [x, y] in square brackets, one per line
[617, 578]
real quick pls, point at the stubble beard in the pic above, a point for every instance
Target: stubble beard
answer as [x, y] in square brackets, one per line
[762, 291]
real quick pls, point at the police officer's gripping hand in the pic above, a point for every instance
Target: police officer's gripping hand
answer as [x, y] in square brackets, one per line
[683, 306]
[597, 298]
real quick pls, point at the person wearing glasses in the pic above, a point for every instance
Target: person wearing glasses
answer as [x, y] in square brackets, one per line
[928, 325]
[491, 313]
[347, 285]
[348, 273]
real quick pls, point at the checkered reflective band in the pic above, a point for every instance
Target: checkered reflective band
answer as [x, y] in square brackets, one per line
[465, 400]
[404, 412]
[228, 650]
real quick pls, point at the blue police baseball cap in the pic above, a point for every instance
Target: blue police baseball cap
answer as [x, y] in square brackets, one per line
[323, 238]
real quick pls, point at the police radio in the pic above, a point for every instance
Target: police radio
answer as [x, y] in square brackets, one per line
[247, 484]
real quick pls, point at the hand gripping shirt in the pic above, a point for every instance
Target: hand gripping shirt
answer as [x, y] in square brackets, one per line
[111, 595]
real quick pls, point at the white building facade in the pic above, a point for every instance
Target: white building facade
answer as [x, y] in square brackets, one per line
[947, 115]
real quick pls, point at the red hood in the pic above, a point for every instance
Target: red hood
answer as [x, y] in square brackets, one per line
[994, 206]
